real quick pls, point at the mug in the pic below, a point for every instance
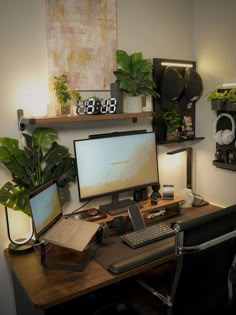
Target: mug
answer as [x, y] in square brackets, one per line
[186, 193]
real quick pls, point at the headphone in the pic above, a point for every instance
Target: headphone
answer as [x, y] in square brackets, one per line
[224, 136]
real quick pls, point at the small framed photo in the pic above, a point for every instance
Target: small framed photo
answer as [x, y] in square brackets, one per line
[168, 192]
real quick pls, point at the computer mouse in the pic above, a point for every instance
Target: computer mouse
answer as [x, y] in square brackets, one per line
[92, 211]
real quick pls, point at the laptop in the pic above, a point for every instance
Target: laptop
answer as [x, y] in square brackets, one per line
[52, 226]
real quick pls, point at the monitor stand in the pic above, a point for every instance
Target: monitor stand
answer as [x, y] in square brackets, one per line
[117, 206]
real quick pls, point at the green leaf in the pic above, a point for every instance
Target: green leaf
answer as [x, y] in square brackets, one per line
[64, 194]
[44, 137]
[123, 59]
[10, 151]
[9, 143]
[5, 156]
[135, 57]
[14, 198]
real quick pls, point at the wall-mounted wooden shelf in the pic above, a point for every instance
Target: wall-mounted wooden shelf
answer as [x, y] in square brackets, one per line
[227, 166]
[219, 105]
[79, 118]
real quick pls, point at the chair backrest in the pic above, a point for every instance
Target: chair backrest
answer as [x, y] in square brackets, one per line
[205, 249]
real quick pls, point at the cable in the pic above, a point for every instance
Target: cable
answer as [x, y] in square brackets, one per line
[77, 210]
[199, 201]
[200, 197]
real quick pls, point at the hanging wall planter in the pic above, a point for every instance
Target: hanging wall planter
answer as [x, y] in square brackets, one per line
[218, 104]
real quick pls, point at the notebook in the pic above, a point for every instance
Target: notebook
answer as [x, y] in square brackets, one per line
[52, 226]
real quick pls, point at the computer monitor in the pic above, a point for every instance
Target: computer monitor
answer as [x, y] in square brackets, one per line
[115, 163]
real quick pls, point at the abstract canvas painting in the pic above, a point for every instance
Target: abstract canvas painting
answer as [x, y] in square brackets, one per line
[81, 42]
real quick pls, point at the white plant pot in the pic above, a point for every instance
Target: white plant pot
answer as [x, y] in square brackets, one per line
[134, 104]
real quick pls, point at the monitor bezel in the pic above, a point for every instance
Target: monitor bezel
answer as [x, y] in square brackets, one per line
[115, 193]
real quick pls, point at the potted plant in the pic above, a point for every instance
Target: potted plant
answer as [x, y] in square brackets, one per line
[231, 95]
[217, 98]
[134, 78]
[40, 160]
[64, 95]
[173, 123]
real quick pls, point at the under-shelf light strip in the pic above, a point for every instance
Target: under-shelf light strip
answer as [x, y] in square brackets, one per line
[229, 84]
[175, 64]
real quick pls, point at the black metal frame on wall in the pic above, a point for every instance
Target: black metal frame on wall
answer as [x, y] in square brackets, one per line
[172, 94]
[225, 155]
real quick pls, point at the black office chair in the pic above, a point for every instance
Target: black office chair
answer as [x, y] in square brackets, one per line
[199, 279]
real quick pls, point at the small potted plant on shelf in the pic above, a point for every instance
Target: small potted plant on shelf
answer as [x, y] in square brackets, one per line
[217, 98]
[134, 78]
[64, 95]
[231, 99]
[173, 124]
[40, 160]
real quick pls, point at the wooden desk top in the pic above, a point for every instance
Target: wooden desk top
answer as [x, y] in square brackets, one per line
[49, 287]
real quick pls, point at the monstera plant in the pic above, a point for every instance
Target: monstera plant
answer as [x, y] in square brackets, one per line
[39, 160]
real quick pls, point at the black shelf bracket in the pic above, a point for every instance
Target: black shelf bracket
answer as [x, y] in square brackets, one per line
[20, 115]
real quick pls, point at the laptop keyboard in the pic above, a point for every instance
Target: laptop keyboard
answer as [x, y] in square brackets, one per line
[63, 230]
[148, 235]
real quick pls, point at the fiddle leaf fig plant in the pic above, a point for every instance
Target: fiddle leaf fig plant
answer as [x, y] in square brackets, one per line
[134, 74]
[40, 160]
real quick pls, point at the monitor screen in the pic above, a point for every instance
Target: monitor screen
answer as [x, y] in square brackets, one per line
[115, 163]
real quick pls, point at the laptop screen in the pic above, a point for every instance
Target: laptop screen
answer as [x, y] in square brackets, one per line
[45, 207]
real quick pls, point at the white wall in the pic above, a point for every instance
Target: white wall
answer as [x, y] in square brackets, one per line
[160, 29]
[23, 61]
[215, 51]
[157, 28]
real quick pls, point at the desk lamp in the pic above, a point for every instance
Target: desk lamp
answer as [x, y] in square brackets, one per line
[197, 202]
[20, 246]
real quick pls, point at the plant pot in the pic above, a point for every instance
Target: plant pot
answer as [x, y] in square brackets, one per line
[63, 110]
[172, 136]
[218, 104]
[230, 106]
[134, 104]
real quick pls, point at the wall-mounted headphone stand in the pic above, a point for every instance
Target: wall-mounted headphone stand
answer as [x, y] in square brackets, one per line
[224, 134]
